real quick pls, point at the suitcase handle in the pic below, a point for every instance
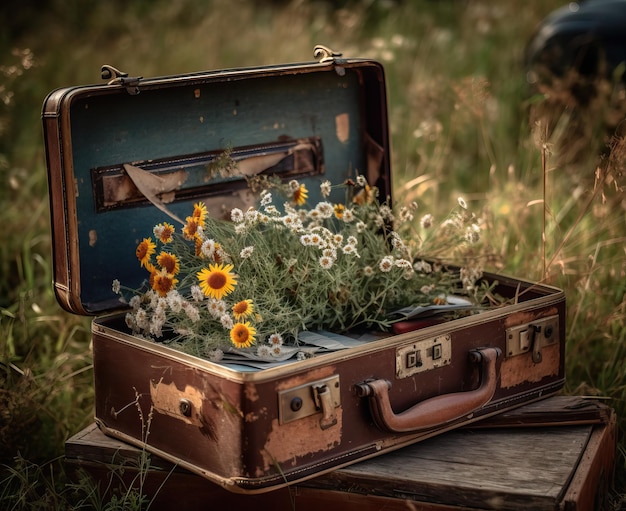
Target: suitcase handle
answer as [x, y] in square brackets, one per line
[436, 411]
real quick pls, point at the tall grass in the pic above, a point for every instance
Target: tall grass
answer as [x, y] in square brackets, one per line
[463, 122]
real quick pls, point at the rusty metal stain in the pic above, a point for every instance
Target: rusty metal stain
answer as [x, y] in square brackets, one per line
[255, 416]
[519, 318]
[318, 373]
[251, 417]
[287, 442]
[167, 399]
[342, 127]
[250, 392]
[521, 369]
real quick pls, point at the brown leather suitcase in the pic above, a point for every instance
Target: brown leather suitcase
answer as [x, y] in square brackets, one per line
[257, 430]
[558, 453]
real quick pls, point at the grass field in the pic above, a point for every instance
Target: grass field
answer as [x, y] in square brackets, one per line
[540, 165]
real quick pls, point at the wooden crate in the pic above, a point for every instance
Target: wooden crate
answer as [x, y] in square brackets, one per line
[555, 454]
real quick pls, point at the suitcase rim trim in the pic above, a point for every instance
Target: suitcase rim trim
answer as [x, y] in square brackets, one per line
[368, 348]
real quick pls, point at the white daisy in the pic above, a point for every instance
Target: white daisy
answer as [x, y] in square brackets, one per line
[325, 188]
[386, 264]
[236, 215]
[246, 252]
[326, 262]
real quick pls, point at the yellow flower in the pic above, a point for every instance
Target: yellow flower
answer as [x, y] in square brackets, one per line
[164, 232]
[217, 280]
[163, 282]
[365, 196]
[242, 335]
[199, 213]
[243, 309]
[339, 209]
[144, 251]
[217, 256]
[191, 228]
[169, 262]
[300, 195]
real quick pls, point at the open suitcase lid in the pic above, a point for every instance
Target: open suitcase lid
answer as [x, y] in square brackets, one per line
[312, 122]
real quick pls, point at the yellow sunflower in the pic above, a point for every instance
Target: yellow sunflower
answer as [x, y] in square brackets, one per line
[169, 262]
[243, 309]
[199, 213]
[163, 282]
[300, 195]
[164, 232]
[191, 228]
[144, 251]
[242, 335]
[217, 280]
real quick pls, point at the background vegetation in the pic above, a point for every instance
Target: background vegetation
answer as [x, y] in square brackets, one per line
[464, 121]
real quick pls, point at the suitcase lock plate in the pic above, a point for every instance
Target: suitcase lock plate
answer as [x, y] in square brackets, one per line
[318, 397]
[423, 356]
[532, 337]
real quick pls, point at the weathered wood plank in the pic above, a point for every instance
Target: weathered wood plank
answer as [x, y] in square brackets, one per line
[551, 468]
[589, 488]
[557, 410]
[92, 445]
[469, 468]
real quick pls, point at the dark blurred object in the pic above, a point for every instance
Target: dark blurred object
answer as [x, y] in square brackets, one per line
[587, 36]
[576, 69]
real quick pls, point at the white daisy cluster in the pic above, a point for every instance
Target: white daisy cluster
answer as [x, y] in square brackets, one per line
[150, 312]
[273, 348]
[270, 272]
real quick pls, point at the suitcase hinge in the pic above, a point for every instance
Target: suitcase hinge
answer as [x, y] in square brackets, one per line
[117, 77]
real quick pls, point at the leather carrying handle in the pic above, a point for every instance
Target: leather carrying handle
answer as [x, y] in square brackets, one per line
[435, 411]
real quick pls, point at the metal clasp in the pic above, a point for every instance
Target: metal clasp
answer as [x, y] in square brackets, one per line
[117, 77]
[532, 337]
[324, 401]
[321, 396]
[324, 54]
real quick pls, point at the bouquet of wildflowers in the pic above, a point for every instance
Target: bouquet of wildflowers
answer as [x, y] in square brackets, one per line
[255, 282]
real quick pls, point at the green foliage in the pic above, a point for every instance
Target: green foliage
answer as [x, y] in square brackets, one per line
[463, 121]
[29, 486]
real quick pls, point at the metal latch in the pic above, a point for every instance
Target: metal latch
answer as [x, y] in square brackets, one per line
[324, 54]
[318, 397]
[117, 77]
[532, 337]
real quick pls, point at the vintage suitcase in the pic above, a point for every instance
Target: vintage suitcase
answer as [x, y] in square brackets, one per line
[253, 431]
[558, 453]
